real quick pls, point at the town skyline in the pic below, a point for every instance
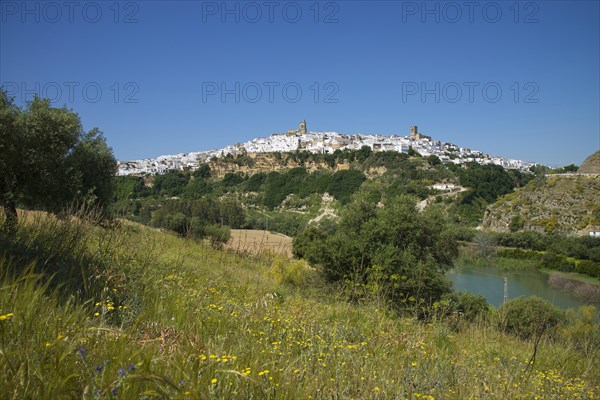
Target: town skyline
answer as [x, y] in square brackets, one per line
[302, 139]
[520, 79]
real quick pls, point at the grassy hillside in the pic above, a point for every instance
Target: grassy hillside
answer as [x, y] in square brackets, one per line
[560, 204]
[134, 312]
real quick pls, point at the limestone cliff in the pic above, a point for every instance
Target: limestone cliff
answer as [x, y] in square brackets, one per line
[565, 204]
[252, 163]
[591, 165]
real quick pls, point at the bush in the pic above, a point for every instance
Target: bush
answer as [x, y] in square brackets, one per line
[412, 249]
[291, 272]
[527, 317]
[468, 305]
[519, 254]
[589, 268]
[218, 235]
[557, 262]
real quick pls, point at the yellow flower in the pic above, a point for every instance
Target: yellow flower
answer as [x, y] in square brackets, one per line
[214, 380]
[7, 316]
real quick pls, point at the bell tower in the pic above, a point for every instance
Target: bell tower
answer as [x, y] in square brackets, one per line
[303, 127]
[414, 134]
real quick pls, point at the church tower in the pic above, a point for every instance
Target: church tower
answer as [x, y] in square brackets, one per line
[414, 134]
[303, 127]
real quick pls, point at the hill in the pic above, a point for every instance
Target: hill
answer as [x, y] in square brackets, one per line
[147, 314]
[591, 165]
[566, 204]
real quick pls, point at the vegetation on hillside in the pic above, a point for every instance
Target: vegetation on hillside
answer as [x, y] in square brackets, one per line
[92, 307]
[407, 252]
[147, 314]
[550, 204]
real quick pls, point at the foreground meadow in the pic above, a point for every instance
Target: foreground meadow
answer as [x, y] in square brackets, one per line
[131, 312]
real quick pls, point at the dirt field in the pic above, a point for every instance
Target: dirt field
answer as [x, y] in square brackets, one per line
[255, 241]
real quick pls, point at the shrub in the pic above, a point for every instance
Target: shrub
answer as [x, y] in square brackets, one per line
[291, 272]
[557, 262]
[527, 317]
[468, 305]
[218, 235]
[589, 268]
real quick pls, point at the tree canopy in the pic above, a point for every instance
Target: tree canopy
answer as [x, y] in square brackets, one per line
[48, 161]
[410, 249]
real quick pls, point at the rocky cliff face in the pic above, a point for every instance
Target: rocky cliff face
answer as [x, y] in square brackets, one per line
[562, 204]
[591, 165]
[253, 163]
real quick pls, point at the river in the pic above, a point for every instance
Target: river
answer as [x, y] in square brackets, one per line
[489, 282]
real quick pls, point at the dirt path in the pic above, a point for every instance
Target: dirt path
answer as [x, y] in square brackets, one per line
[424, 203]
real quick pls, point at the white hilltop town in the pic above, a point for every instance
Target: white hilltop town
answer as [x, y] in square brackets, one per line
[321, 142]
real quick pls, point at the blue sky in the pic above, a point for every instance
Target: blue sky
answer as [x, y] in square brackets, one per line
[517, 79]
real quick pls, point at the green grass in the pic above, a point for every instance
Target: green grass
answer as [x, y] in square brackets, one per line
[152, 315]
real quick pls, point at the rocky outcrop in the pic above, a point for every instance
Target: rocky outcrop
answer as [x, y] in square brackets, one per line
[565, 204]
[591, 165]
[254, 163]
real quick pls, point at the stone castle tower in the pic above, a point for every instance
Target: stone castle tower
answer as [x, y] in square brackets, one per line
[414, 134]
[303, 127]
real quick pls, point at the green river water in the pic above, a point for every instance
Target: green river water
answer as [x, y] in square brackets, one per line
[489, 282]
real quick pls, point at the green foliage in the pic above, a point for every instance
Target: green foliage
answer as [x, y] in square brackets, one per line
[486, 181]
[413, 153]
[527, 317]
[583, 329]
[174, 318]
[254, 183]
[467, 305]
[291, 272]
[571, 168]
[48, 162]
[583, 248]
[343, 184]
[219, 235]
[231, 179]
[199, 218]
[412, 249]
[197, 187]
[171, 183]
[307, 243]
[129, 187]
[551, 260]
[203, 172]
[587, 267]
[433, 160]
[516, 224]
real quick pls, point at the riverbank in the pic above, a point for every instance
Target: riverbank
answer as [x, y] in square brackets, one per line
[585, 291]
[533, 280]
[513, 259]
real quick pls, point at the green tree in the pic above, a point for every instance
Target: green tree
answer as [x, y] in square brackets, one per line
[411, 250]
[202, 172]
[433, 160]
[93, 166]
[171, 183]
[47, 161]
